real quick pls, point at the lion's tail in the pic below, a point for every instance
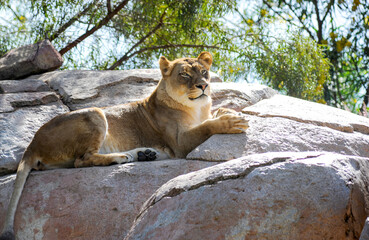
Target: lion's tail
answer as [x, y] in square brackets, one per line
[23, 171]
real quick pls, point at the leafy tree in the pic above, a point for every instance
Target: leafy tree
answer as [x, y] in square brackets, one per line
[281, 58]
[342, 28]
[296, 67]
[116, 34]
[108, 34]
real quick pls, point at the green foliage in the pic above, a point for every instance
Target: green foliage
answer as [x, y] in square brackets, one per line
[285, 60]
[295, 66]
[131, 34]
[309, 55]
[342, 27]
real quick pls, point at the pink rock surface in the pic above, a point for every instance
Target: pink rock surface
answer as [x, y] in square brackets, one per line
[88, 203]
[263, 196]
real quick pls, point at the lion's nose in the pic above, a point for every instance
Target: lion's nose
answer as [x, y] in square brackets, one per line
[202, 86]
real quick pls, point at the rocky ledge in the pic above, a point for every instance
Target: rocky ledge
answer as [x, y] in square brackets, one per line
[301, 171]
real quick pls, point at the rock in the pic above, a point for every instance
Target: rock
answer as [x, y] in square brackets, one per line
[215, 77]
[263, 196]
[237, 96]
[27, 85]
[88, 203]
[11, 101]
[365, 233]
[310, 113]
[82, 88]
[30, 59]
[279, 134]
[272, 192]
[18, 128]
[85, 88]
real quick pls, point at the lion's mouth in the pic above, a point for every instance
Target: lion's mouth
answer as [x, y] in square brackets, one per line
[202, 95]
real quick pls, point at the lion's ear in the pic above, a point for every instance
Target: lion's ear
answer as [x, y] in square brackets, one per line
[165, 65]
[206, 59]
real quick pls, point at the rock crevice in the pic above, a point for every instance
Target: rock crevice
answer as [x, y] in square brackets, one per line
[300, 196]
[177, 188]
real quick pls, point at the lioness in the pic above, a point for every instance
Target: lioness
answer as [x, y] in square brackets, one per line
[168, 124]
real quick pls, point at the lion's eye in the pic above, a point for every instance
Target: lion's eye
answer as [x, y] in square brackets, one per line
[185, 75]
[204, 72]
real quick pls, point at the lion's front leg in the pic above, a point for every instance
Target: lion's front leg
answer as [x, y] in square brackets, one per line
[227, 123]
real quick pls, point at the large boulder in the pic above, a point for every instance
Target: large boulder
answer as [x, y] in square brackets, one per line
[281, 123]
[275, 189]
[30, 59]
[88, 203]
[263, 196]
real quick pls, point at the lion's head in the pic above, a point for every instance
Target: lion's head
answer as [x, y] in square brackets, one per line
[187, 80]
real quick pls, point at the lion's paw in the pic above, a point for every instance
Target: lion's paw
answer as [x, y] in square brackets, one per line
[147, 155]
[230, 123]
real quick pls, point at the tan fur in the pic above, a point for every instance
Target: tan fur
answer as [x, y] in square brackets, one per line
[171, 122]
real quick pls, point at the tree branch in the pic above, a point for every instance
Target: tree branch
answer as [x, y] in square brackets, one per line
[71, 21]
[120, 61]
[320, 23]
[329, 6]
[300, 20]
[165, 47]
[108, 6]
[363, 108]
[15, 14]
[280, 15]
[241, 15]
[103, 22]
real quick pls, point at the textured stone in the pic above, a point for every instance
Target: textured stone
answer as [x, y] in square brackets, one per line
[85, 88]
[365, 233]
[215, 77]
[239, 95]
[18, 128]
[30, 59]
[264, 196]
[278, 195]
[27, 85]
[88, 203]
[309, 112]
[278, 134]
[9, 102]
